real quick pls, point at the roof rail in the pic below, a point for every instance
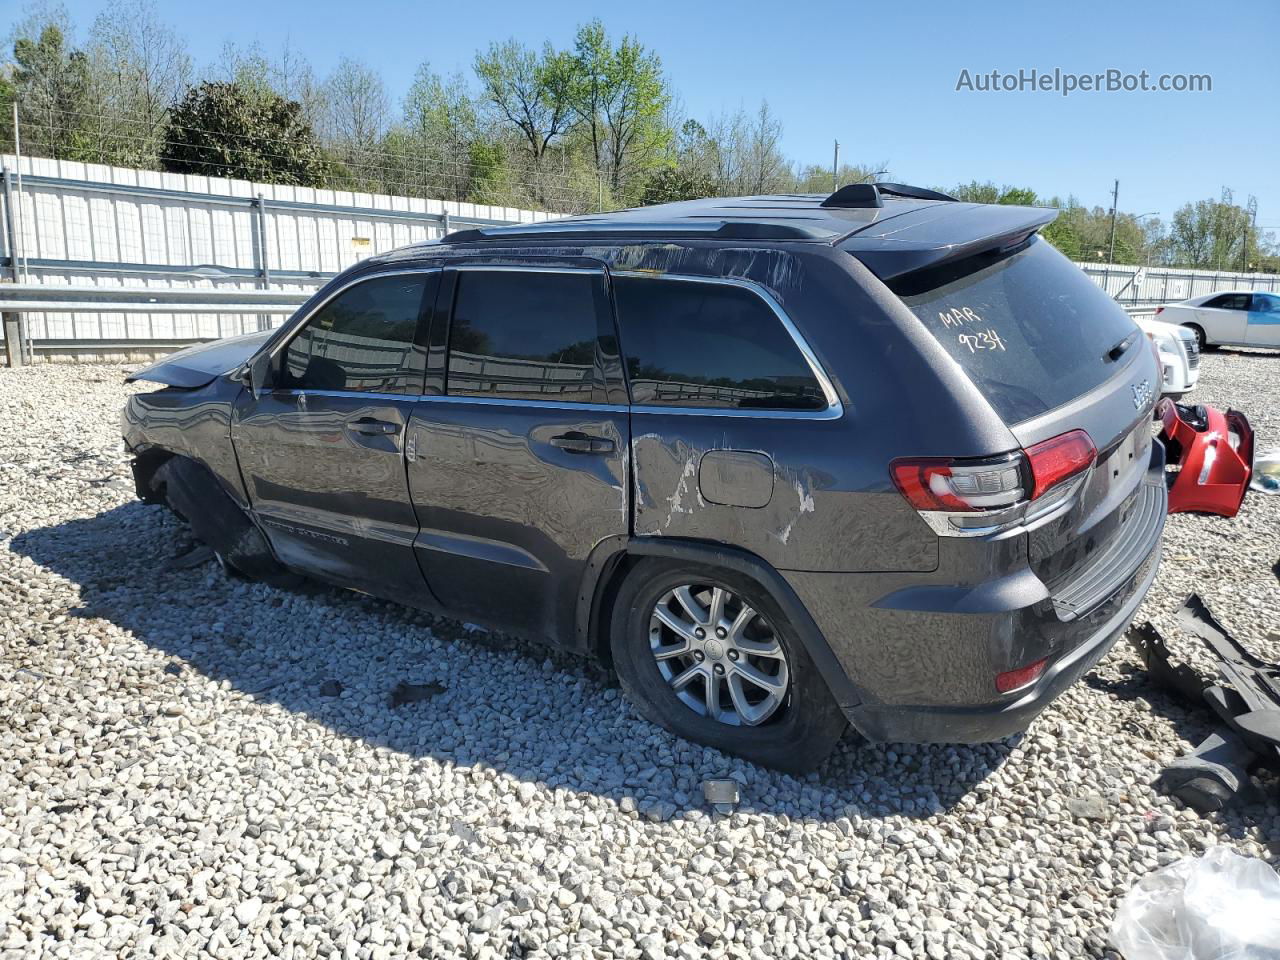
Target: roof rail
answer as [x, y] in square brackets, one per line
[709, 230]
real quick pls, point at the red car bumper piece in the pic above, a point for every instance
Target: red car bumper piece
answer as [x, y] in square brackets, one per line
[1210, 456]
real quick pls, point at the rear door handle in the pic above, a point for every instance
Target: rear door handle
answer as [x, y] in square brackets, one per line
[576, 442]
[373, 428]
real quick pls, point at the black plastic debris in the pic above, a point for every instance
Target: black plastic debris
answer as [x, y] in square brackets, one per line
[1245, 697]
[414, 693]
[1213, 776]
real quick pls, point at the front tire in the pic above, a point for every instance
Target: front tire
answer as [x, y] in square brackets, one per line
[1202, 340]
[708, 654]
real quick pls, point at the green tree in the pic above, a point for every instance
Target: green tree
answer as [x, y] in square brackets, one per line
[975, 192]
[51, 85]
[620, 98]
[815, 178]
[1213, 234]
[675, 183]
[530, 91]
[225, 130]
[1018, 196]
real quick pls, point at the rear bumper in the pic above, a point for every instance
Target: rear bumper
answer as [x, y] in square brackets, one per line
[981, 724]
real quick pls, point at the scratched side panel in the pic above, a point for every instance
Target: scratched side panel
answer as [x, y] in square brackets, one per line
[828, 511]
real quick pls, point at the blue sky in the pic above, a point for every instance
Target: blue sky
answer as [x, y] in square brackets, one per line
[878, 78]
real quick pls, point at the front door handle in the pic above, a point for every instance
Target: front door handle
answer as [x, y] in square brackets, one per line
[373, 428]
[576, 442]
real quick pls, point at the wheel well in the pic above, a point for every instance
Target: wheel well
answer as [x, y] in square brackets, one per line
[615, 570]
[145, 466]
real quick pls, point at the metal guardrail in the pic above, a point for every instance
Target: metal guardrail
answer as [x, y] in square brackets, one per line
[28, 298]
[50, 298]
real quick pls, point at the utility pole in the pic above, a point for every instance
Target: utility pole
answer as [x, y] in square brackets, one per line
[1115, 202]
[1244, 254]
[835, 169]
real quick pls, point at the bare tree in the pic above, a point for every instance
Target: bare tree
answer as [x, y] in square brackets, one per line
[141, 68]
[356, 119]
[442, 126]
[765, 169]
[293, 78]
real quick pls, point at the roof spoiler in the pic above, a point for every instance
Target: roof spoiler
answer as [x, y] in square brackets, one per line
[854, 196]
[897, 246]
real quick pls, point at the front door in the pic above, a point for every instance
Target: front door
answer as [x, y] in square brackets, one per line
[518, 453]
[1264, 320]
[322, 449]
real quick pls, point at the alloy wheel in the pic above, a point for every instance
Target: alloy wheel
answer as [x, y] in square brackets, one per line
[720, 657]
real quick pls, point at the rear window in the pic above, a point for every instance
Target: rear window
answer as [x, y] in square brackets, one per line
[1030, 329]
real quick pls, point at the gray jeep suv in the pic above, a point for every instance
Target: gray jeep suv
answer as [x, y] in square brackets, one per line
[788, 463]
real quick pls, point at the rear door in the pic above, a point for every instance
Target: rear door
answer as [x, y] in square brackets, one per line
[321, 451]
[1224, 317]
[518, 452]
[1264, 320]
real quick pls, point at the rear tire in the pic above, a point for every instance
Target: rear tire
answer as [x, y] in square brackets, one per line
[770, 706]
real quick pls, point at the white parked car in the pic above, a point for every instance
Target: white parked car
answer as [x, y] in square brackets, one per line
[1238, 318]
[1179, 353]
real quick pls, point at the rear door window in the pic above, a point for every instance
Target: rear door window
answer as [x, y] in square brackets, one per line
[1030, 329]
[526, 335]
[693, 344]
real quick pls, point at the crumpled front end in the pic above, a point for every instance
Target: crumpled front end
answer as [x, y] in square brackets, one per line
[1210, 456]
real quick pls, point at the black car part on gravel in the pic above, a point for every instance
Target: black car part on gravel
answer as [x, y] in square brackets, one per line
[1247, 701]
[194, 494]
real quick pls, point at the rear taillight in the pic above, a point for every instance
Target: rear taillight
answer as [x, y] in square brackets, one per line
[1059, 458]
[1159, 310]
[969, 498]
[934, 483]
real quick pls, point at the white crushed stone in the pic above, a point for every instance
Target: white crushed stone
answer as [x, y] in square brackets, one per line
[174, 782]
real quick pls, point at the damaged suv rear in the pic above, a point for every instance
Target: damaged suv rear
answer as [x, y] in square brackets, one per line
[788, 463]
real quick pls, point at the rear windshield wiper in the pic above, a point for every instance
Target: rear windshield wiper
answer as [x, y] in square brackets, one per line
[1118, 351]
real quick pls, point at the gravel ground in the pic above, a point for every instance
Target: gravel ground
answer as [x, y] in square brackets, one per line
[192, 766]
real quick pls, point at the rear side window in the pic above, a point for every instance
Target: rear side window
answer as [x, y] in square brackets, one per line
[693, 344]
[1031, 330]
[363, 340]
[525, 335]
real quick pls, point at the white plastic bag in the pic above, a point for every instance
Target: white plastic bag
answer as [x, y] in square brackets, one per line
[1221, 906]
